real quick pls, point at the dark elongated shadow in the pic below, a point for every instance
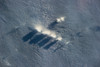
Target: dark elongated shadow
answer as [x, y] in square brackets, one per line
[37, 38]
[58, 48]
[29, 35]
[50, 44]
[52, 25]
[45, 41]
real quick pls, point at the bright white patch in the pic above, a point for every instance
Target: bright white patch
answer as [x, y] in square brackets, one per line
[59, 38]
[46, 31]
[39, 28]
[53, 34]
[60, 19]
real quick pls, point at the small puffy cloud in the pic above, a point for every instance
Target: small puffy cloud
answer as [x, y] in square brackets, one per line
[60, 19]
[59, 38]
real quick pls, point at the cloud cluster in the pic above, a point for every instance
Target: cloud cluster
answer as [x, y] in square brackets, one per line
[60, 19]
[46, 31]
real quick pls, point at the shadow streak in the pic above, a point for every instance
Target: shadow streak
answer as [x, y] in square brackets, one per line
[45, 41]
[50, 44]
[52, 25]
[58, 48]
[29, 35]
[37, 38]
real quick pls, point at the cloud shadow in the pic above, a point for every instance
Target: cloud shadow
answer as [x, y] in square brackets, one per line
[52, 25]
[29, 35]
[37, 38]
[50, 44]
[45, 41]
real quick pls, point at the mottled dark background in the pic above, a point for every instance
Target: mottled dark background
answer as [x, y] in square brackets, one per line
[81, 27]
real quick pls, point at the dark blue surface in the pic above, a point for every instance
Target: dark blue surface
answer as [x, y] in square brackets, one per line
[37, 38]
[29, 35]
[50, 44]
[42, 43]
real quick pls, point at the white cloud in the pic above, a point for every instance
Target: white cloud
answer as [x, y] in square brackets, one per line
[46, 31]
[59, 38]
[60, 19]
[39, 28]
